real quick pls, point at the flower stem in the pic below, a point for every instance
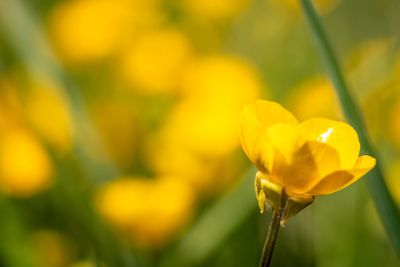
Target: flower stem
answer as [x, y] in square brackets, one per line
[386, 207]
[272, 235]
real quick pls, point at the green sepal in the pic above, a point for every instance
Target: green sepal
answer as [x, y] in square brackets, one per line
[270, 196]
[294, 205]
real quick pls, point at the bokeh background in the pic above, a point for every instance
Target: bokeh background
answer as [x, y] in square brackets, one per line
[119, 129]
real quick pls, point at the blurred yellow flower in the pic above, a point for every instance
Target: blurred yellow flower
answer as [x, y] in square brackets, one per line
[48, 111]
[88, 30]
[25, 168]
[215, 89]
[206, 129]
[151, 211]
[222, 78]
[215, 10]
[156, 61]
[314, 98]
[301, 160]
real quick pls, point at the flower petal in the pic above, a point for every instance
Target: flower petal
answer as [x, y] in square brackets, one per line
[310, 164]
[339, 135]
[258, 116]
[341, 179]
[275, 149]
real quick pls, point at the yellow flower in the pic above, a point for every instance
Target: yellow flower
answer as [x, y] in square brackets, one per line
[204, 129]
[300, 160]
[225, 78]
[216, 10]
[87, 30]
[314, 98]
[216, 88]
[47, 110]
[155, 62]
[90, 30]
[150, 211]
[25, 168]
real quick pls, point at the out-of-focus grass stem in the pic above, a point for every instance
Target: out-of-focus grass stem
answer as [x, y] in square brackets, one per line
[387, 209]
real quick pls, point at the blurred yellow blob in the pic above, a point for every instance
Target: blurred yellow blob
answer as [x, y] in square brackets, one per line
[116, 123]
[215, 10]
[323, 6]
[25, 168]
[223, 80]
[87, 30]
[216, 89]
[155, 62]
[315, 98]
[151, 211]
[51, 249]
[206, 129]
[48, 111]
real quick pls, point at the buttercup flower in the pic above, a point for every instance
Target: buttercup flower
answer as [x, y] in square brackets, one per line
[25, 167]
[55, 127]
[297, 161]
[314, 97]
[149, 212]
[215, 10]
[84, 31]
[156, 61]
[199, 121]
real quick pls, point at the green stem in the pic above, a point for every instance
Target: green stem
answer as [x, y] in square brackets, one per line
[387, 209]
[272, 235]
